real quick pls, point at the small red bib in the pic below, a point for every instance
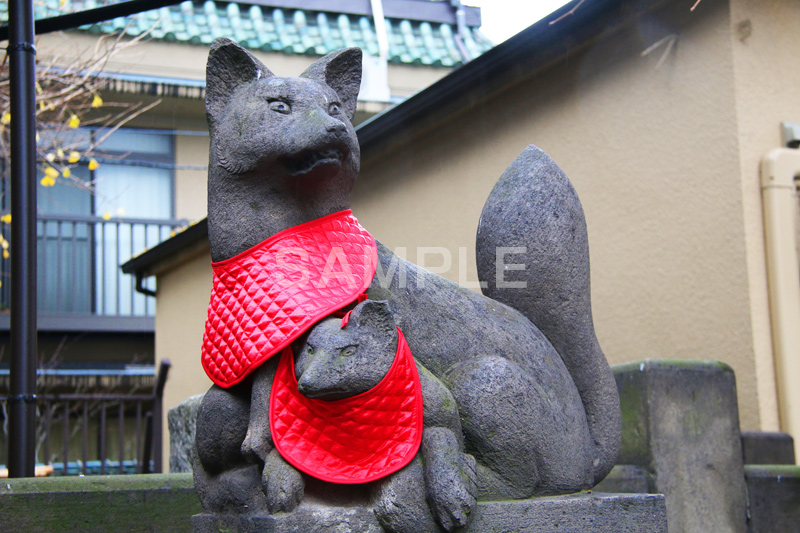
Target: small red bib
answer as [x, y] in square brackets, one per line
[267, 296]
[352, 440]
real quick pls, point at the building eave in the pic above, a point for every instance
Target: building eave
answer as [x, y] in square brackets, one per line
[173, 251]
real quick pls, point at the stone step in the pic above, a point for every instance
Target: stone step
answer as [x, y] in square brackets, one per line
[773, 498]
[767, 448]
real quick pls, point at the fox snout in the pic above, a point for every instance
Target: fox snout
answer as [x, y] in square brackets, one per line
[336, 127]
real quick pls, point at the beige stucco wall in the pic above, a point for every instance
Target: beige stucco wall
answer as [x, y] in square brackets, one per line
[191, 185]
[765, 39]
[654, 153]
[183, 294]
[186, 61]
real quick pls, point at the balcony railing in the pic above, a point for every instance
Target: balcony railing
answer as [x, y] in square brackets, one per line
[96, 432]
[78, 264]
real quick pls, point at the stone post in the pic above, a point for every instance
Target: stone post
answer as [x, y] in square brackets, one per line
[681, 422]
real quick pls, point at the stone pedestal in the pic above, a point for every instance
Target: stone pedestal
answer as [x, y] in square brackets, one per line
[579, 513]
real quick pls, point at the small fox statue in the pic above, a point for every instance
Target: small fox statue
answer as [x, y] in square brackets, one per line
[537, 404]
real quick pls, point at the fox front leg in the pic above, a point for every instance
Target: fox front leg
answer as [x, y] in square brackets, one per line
[281, 482]
[450, 475]
[225, 481]
[257, 443]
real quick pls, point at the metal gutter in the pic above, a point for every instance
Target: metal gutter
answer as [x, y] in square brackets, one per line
[421, 10]
[92, 16]
[194, 238]
[780, 170]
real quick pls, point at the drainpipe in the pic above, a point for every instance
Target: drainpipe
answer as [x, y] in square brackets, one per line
[780, 170]
[461, 26]
[375, 73]
[380, 29]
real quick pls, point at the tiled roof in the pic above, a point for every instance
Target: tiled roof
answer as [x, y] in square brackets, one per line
[291, 31]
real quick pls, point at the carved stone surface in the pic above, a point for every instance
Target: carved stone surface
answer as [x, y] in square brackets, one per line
[511, 410]
[598, 513]
[182, 421]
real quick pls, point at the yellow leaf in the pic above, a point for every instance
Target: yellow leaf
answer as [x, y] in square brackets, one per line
[6, 218]
[6, 118]
[66, 172]
[93, 164]
[37, 137]
[74, 157]
[5, 254]
[120, 212]
[51, 173]
[74, 122]
[50, 157]
[47, 181]
[39, 89]
[106, 216]
[4, 244]
[60, 153]
[97, 101]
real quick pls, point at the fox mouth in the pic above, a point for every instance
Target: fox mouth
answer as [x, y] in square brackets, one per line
[308, 161]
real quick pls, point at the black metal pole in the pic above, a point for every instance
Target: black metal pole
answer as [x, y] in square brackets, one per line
[93, 16]
[22, 401]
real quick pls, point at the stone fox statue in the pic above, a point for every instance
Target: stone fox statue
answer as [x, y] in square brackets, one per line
[538, 406]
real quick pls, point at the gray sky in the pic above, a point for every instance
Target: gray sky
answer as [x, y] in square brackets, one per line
[505, 18]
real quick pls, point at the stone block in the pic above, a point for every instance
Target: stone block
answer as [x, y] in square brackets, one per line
[146, 503]
[182, 423]
[579, 513]
[681, 422]
[766, 448]
[774, 497]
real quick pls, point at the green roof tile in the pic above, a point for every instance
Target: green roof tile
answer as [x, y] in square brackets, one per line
[291, 31]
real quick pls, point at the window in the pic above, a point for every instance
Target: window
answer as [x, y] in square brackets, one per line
[95, 220]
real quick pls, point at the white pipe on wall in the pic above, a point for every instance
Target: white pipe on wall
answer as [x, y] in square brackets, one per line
[779, 170]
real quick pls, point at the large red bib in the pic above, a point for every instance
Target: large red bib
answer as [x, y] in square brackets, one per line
[352, 440]
[265, 297]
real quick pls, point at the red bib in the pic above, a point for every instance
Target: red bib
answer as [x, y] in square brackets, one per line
[267, 296]
[352, 440]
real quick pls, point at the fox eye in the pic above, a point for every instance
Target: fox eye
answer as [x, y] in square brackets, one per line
[348, 350]
[280, 107]
[310, 350]
[334, 109]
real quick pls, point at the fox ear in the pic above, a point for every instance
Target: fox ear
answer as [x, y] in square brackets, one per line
[229, 65]
[341, 70]
[373, 314]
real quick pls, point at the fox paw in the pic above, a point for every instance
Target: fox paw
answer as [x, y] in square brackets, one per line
[450, 478]
[282, 484]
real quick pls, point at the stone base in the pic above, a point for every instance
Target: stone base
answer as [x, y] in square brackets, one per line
[580, 513]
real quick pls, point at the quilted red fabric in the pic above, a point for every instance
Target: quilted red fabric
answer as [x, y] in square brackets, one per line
[352, 440]
[265, 297]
